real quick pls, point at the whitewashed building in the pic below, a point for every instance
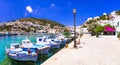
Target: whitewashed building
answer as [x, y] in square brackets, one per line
[114, 21]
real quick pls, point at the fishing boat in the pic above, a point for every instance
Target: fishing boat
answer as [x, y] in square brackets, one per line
[62, 38]
[56, 42]
[48, 41]
[22, 54]
[42, 48]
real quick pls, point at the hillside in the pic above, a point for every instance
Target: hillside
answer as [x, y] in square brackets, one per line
[30, 25]
[41, 21]
[98, 24]
[94, 20]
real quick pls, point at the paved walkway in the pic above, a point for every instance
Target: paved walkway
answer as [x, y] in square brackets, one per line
[91, 51]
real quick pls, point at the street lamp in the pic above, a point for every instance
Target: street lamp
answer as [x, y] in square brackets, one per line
[74, 12]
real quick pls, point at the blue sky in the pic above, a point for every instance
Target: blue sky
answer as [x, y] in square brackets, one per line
[57, 10]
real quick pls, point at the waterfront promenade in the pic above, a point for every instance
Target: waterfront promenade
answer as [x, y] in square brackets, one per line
[91, 51]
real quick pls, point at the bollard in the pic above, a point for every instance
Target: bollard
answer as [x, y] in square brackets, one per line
[66, 46]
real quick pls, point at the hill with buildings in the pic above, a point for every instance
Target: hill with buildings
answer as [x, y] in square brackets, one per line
[30, 25]
[111, 20]
[41, 21]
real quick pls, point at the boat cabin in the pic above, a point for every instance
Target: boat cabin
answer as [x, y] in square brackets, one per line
[27, 43]
[14, 46]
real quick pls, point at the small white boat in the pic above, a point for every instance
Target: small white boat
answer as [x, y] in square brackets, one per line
[53, 43]
[26, 43]
[62, 38]
[20, 54]
[42, 49]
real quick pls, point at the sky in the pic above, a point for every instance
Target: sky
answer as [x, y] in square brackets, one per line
[56, 10]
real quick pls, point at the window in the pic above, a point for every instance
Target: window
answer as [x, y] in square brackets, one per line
[118, 24]
[40, 39]
[28, 42]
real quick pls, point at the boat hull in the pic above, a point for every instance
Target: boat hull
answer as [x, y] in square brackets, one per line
[44, 50]
[23, 54]
[55, 46]
[23, 58]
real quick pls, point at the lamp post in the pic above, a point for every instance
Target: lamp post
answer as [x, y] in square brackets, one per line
[74, 12]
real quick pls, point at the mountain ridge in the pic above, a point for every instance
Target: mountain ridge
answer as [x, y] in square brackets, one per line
[40, 21]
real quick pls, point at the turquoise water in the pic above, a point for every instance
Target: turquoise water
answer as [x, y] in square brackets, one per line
[5, 41]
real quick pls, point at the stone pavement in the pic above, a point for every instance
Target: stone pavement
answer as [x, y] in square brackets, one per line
[91, 51]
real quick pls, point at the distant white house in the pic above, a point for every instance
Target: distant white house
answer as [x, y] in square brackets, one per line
[84, 30]
[52, 31]
[78, 29]
[116, 22]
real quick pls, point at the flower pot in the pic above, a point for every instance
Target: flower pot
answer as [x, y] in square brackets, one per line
[66, 46]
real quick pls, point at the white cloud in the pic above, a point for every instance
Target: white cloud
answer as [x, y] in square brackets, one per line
[104, 14]
[52, 5]
[29, 9]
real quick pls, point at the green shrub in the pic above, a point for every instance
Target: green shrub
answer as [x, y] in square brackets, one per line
[118, 34]
[99, 29]
[66, 34]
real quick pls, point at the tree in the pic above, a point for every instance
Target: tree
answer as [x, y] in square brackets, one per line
[118, 35]
[90, 21]
[107, 25]
[104, 17]
[66, 32]
[91, 28]
[118, 12]
[98, 30]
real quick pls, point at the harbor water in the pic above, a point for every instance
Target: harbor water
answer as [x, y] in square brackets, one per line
[5, 42]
